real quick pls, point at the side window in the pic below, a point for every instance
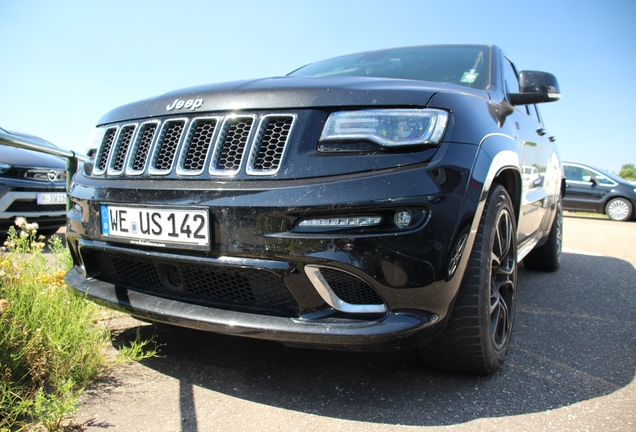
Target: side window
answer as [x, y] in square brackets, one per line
[600, 178]
[575, 173]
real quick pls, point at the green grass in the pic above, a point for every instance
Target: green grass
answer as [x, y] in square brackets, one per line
[51, 342]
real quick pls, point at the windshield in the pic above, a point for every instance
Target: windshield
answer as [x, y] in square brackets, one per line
[463, 65]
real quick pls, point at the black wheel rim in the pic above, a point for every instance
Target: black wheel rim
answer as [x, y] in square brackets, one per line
[503, 280]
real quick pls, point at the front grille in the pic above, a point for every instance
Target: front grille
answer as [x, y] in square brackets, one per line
[199, 283]
[196, 150]
[186, 146]
[102, 156]
[349, 288]
[142, 147]
[49, 175]
[32, 206]
[267, 156]
[123, 143]
[231, 146]
[166, 147]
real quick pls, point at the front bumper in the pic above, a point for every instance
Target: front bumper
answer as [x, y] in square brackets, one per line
[397, 329]
[263, 278]
[20, 198]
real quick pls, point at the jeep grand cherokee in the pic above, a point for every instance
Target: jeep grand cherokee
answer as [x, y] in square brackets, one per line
[368, 201]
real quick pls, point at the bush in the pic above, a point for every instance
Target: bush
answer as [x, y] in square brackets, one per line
[628, 172]
[50, 345]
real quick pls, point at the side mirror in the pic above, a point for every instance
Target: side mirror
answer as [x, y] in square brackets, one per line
[536, 87]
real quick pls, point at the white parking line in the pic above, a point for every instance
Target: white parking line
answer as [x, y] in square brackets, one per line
[610, 227]
[578, 252]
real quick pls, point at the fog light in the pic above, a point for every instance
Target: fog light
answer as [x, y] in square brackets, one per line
[402, 219]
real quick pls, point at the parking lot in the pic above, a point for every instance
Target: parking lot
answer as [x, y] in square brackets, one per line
[571, 367]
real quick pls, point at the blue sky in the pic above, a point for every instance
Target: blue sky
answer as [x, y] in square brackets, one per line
[66, 63]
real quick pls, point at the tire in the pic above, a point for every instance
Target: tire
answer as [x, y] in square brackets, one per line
[477, 335]
[547, 257]
[619, 209]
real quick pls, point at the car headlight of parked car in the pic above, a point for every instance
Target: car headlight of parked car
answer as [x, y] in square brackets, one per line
[4, 167]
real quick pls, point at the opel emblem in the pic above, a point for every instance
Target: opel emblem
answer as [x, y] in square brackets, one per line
[52, 175]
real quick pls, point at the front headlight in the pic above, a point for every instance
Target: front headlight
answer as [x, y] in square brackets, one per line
[4, 167]
[387, 127]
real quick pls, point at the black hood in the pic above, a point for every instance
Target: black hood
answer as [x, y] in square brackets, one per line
[28, 158]
[286, 93]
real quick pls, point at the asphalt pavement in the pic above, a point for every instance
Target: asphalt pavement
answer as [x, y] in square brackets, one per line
[571, 367]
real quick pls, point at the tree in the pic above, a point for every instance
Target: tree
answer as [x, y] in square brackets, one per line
[628, 172]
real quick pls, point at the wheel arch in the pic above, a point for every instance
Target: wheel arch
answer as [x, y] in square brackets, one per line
[510, 179]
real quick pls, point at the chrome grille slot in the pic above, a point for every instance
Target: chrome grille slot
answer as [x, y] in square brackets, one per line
[230, 145]
[107, 143]
[120, 150]
[220, 145]
[197, 146]
[141, 148]
[166, 147]
[270, 144]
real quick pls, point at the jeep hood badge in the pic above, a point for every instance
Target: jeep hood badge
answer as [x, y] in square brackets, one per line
[190, 104]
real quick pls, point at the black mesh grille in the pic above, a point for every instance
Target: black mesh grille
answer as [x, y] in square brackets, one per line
[272, 143]
[241, 289]
[107, 143]
[231, 151]
[128, 270]
[33, 206]
[146, 135]
[168, 145]
[199, 145]
[125, 137]
[349, 288]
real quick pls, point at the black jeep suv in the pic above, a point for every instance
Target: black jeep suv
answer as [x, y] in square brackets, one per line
[380, 199]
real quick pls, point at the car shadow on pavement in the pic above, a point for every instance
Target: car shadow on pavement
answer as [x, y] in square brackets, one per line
[575, 339]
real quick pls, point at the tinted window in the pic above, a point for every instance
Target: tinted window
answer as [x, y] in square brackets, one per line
[575, 173]
[463, 65]
[581, 174]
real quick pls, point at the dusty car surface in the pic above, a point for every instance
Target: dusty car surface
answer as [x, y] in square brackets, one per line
[594, 190]
[32, 185]
[377, 200]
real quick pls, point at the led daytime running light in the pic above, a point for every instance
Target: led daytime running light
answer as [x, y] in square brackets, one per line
[351, 222]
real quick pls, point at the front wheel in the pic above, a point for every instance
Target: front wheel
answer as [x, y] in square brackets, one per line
[619, 209]
[477, 336]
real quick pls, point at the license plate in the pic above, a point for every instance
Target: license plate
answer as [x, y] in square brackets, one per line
[156, 226]
[51, 198]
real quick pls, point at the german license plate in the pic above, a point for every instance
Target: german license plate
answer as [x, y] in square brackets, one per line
[156, 226]
[51, 198]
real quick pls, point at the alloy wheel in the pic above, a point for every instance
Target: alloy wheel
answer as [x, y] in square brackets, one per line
[503, 281]
[618, 209]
